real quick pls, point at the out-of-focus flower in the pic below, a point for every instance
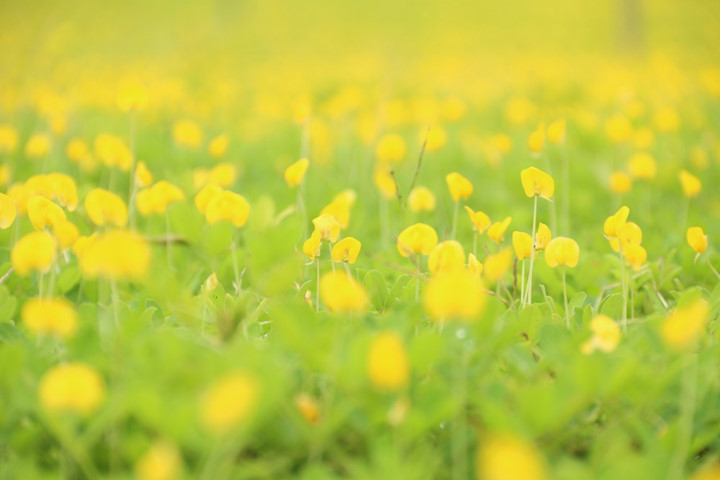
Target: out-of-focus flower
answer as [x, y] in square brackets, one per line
[421, 199]
[219, 145]
[446, 257]
[508, 457]
[160, 462]
[497, 265]
[78, 151]
[158, 198]
[497, 230]
[50, 316]
[618, 129]
[536, 141]
[388, 366]
[66, 234]
[228, 206]
[230, 402]
[454, 295]
[417, 239]
[295, 173]
[683, 328]
[642, 166]
[44, 213]
[8, 138]
[71, 387]
[605, 335]
[697, 239]
[341, 293]
[115, 255]
[556, 132]
[33, 252]
[328, 227]
[112, 151]
[390, 148]
[187, 133]
[384, 182]
[105, 208]
[460, 187]
[143, 175]
[38, 146]
[8, 211]
[691, 185]
[620, 182]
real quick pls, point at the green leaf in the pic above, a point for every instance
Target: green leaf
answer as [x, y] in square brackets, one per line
[376, 285]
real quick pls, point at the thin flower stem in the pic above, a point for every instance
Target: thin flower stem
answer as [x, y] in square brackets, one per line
[301, 208]
[624, 282]
[131, 180]
[565, 299]
[475, 241]
[384, 222]
[455, 218]
[717, 274]
[522, 283]
[417, 278]
[331, 258]
[566, 188]
[347, 269]
[114, 298]
[459, 426]
[532, 254]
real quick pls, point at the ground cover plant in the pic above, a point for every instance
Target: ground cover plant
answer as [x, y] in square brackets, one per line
[266, 252]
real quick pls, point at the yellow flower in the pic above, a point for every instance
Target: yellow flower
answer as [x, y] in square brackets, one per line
[8, 139]
[691, 185]
[37, 146]
[642, 165]
[508, 457]
[112, 152]
[605, 335]
[385, 183]
[421, 199]
[295, 173]
[66, 234]
[479, 219]
[222, 174]
[187, 133]
[709, 472]
[536, 141]
[613, 224]
[341, 293]
[115, 255]
[391, 148]
[105, 208]
[474, 265]
[131, 95]
[71, 387]
[64, 190]
[8, 211]
[562, 251]
[44, 213]
[311, 246]
[346, 250]
[454, 295]
[556, 132]
[388, 366]
[229, 402]
[697, 239]
[542, 237]
[497, 230]
[308, 407]
[208, 192]
[685, 326]
[417, 239]
[497, 265]
[143, 175]
[5, 175]
[620, 182]
[34, 251]
[536, 182]
[339, 209]
[460, 187]
[218, 146]
[522, 244]
[157, 198]
[629, 233]
[328, 227]
[211, 282]
[20, 195]
[229, 206]
[50, 316]
[446, 257]
[618, 129]
[436, 138]
[82, 243]
[160, 462]
[635, 255]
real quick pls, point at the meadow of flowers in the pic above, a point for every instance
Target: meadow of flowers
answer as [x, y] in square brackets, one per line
[322, 263]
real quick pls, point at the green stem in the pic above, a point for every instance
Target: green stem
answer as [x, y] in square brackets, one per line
[131, 193]
[522, 283]
[475, 241]
[236, 268]
[717, 274]
[624, 281]
[455, 217]
[317, 284]
[459, 427]
[76, 452]
[528, 301]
